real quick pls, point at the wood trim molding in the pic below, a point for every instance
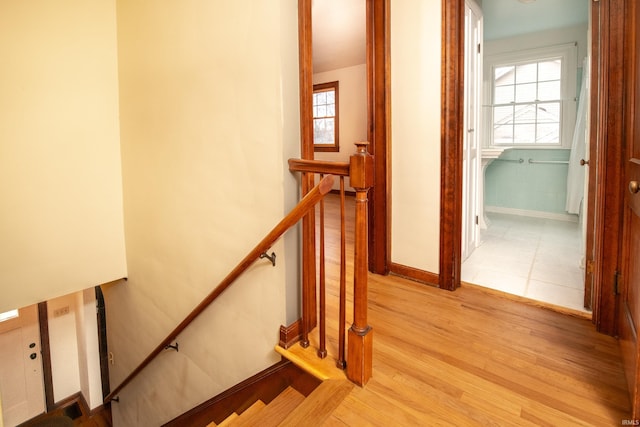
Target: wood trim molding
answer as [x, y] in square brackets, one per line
[605, 156]
[45, 347]
[451, 143]
[379, 120]
[609, 113]
[289, 335]
[305, 56]
[415, 274]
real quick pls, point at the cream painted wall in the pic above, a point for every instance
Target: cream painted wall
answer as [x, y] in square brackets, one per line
[353, 112]
[208, 94]
[415, 133]
[60, 178]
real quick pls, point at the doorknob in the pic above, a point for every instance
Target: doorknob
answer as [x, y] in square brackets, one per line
[584, 162]
[634, 187]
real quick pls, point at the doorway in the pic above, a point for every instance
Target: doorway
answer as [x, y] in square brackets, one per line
[21, 378]
[531, 212]
[376, 28]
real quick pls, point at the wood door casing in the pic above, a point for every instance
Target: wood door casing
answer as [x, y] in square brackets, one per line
[378, 112]
[605, 165]
[629, 312]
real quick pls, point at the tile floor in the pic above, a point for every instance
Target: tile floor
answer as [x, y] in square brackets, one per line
[530, 257]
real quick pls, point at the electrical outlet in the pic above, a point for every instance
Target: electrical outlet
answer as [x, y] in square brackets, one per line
[61, 311]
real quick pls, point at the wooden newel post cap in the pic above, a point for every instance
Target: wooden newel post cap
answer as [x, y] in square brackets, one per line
[361, 167]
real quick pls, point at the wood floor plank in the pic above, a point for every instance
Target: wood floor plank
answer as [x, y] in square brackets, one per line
[272, 414]
[320, 403]
[472, 357]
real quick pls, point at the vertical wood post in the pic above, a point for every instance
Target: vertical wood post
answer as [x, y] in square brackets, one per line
[360, 343]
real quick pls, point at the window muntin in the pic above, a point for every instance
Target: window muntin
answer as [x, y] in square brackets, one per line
[531, 99]
[325, 117]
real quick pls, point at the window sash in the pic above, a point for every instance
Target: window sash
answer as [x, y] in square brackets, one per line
[325, 117]
[541, 83]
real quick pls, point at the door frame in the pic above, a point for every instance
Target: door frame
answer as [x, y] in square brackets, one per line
[378, 120]
[606, 146]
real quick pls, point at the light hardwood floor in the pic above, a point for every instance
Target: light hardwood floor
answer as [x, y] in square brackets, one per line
[474, 358]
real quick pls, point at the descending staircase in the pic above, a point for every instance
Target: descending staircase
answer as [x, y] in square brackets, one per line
[299, 389]
[292, 408]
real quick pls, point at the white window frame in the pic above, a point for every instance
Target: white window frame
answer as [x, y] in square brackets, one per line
[568, 53]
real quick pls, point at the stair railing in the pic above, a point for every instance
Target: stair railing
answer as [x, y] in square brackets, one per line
[359, 354]
[305, 205]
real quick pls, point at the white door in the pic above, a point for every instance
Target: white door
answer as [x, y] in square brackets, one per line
[21, 383]
[471, 143]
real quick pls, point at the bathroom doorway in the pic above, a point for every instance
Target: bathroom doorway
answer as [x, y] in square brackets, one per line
[530, 198]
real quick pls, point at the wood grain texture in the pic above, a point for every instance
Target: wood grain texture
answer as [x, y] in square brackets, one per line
[319, 405]
[451, 143]
[275, 412]
[319, 166]
[472, 357]
[609, 112]
[379, 131]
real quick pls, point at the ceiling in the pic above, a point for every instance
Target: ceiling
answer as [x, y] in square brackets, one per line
[339, 34]
[339, 27]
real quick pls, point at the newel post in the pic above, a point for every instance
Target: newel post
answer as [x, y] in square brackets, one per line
[360, 343]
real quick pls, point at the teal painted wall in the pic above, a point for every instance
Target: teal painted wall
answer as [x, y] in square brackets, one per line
[535, 187]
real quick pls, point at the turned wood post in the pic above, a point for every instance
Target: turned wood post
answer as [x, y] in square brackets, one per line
[360, 343]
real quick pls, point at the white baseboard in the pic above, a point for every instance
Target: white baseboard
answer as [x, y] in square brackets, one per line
[535, 214]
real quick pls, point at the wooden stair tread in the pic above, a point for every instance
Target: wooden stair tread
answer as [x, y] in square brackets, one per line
[226, 422]
[273, 413]
[253, 409]
[319, 405]
[249, 412]
[307, 359]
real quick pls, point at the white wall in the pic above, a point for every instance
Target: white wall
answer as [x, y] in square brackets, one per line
[63, 341]
[88, 348]
[209, 97]
[60, 180]
[352, 124]
[415, 133]
[73, 339]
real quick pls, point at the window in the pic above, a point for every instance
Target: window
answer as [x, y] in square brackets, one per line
[533, 97]
[11, 314]
[325, 117]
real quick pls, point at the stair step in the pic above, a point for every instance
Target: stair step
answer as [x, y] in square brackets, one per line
[253, 409]
[319, 405]
[226, 422]
[250, 411]
[276, 411]
[307, 359]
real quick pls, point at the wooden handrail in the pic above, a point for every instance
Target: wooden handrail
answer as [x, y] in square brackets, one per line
[319, 166]
[307, 203]
[359, 357]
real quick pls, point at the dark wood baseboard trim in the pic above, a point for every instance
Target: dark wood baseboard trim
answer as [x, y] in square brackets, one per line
[289, 335]
[428, 278]
[265, 386]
